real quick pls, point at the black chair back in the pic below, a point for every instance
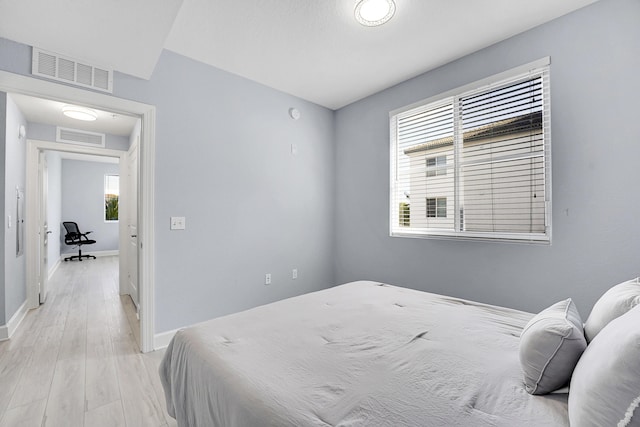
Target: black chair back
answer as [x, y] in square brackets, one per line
[73, 232]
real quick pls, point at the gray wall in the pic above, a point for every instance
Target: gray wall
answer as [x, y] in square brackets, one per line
[595, 58]
[15, 290]
[54, 206]
[223, 160]
[44, 132]
[82, 189]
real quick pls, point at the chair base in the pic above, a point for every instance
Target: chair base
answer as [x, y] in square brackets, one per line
[79, 256]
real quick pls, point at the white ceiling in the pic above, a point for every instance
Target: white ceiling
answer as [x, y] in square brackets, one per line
[123, 34]
[313, 49]
[37, 110]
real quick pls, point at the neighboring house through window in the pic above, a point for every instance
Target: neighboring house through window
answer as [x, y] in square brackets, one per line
[111, 197]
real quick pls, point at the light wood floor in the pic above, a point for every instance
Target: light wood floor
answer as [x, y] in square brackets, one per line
[75, 361]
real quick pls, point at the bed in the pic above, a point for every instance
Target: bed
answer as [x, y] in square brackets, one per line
[359, 354]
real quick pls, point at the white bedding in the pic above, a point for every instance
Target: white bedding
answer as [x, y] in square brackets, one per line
[360, 354]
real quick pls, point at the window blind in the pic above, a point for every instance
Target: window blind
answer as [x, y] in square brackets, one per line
[475, 164]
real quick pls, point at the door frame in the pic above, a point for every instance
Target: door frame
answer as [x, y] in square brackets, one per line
[43, 246]
[34, 199]
[17, 83]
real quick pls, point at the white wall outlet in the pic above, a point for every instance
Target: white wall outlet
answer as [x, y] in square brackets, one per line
[178, 223]
[267, 279]
[294, 273]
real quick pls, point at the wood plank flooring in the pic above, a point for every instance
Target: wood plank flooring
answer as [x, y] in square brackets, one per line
[75, 360]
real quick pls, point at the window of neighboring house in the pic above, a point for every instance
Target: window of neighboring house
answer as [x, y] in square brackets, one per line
[435, 165]
[111, 196]
[437, 207]
[489, 146]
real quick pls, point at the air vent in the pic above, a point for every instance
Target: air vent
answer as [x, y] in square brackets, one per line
[80, 137]
[57, 67]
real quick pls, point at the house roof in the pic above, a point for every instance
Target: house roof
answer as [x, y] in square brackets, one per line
[518, 124]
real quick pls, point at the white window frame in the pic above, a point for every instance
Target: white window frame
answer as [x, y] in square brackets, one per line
[395, 230]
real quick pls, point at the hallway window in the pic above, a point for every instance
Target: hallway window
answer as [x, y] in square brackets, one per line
[111, 196]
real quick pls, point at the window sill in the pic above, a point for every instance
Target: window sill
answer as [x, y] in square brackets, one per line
[540, 239]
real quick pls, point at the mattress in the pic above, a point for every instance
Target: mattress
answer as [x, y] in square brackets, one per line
[359, 354]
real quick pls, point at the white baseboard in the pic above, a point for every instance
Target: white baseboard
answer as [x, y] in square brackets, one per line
[55, 267]
[106, 253]
[162, 340]
[94, 253]
[7, 331]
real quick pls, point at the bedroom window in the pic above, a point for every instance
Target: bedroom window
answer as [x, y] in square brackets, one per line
[474, 163]
[111, 196]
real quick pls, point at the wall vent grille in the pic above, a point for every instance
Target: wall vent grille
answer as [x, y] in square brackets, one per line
[80, 137]
[64, 69]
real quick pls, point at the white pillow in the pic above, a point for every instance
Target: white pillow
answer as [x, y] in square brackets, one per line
[550, 346]
[614, 303]
[605, 387]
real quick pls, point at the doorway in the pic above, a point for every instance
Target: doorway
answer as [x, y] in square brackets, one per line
[81, 203]
[13, 83]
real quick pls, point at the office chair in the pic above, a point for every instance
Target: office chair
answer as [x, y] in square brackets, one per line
[75, 238]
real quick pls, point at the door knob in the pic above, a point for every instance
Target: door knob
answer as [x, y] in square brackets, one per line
[134, 235]
[49, 232]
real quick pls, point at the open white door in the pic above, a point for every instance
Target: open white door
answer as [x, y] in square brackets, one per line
[132, 223]
[43, 227]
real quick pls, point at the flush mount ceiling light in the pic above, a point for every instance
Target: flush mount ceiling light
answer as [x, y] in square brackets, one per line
[79, 113]
[374, 12]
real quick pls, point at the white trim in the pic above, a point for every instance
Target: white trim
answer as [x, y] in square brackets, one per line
[34, 147]
[163, 339]
[54, 269]
[114, 252]
[146, 235]
[7, 331]
[16, 83]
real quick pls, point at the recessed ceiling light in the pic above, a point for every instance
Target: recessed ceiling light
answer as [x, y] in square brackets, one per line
[374, 12]
[79, 113]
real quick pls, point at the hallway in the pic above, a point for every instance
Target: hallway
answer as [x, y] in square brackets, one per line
[75, 360]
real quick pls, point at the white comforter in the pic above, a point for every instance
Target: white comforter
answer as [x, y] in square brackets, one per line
[360, 354]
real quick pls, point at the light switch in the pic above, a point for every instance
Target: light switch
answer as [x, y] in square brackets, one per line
[178, 223]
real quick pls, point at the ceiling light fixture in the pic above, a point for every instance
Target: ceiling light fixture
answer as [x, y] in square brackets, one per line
[79, 113]
[374, 12]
